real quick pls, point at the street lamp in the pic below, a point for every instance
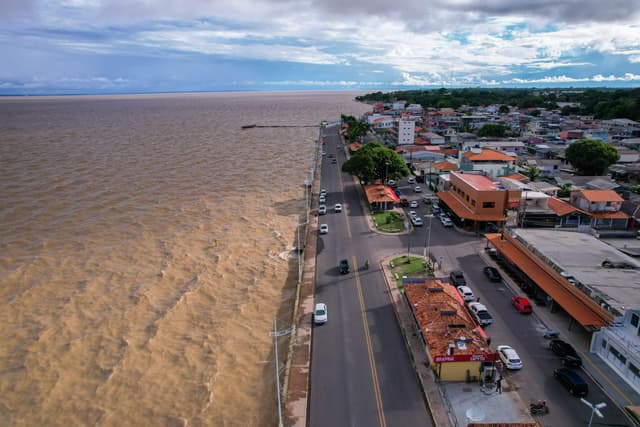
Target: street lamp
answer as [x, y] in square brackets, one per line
[386, 171]
[595, 409]
[427, 241]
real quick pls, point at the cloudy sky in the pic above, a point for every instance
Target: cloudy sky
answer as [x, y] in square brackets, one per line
[107, 46]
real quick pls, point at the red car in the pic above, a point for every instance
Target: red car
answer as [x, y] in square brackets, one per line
[522, 305]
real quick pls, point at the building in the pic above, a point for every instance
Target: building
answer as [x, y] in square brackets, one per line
[406, 132]
[455, 345]
[490, 162]
[381, 197]
[603, 207]
[475, 201]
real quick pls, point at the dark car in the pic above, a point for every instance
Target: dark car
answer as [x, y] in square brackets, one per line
[572, 381]
[569, 355]
[457, 278]
[404, 203]
[344, 266]
[492, 274]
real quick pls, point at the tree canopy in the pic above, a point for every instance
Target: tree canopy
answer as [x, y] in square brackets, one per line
[492, 130]
[373, 161]
[356, 127]
[591, 157]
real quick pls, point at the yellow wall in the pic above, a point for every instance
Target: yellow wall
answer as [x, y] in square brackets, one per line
[457, 371]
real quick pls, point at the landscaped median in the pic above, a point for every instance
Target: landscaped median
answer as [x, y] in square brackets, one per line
[409, 266]
[388, 221]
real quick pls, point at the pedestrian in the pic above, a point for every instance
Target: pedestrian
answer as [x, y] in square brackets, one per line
[488, 340]
[499, 385]
[478, 299]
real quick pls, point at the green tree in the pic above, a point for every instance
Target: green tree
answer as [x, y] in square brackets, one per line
[373, 161]
[591, 156]
[533, 173]
[492, 130]
[565, 189]
[504, 109]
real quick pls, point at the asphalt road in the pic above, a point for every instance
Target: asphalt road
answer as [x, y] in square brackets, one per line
[361, 373]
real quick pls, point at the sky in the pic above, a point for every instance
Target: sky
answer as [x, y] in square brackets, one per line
[131, 46]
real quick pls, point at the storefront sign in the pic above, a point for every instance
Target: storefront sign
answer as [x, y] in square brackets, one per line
[488, 357]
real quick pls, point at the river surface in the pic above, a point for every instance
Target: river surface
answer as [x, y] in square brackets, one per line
[146, 244]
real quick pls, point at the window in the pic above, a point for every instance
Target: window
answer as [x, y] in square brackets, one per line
[604, 343]
[473, 202]
[488, 205]
[618, 356]
[634, 369]
[634, 319]
[467, 197]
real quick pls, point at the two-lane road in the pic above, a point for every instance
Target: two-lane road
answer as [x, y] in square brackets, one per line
[361, 373]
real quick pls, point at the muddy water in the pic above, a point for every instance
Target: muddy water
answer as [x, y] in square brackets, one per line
[145, 247]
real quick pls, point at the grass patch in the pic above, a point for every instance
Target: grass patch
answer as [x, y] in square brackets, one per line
[416, 267]
[388, 221]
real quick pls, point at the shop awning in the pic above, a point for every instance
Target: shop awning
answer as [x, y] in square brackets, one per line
[579, 306]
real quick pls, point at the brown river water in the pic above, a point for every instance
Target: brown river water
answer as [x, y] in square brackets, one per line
[146, 244]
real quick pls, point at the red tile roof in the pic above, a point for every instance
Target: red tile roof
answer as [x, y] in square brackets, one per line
[560, 207]
[379, 193]
[445, 166]
[601, 196]
[518, 177]
[488, 156]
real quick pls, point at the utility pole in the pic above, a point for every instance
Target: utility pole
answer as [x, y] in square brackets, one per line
[276, 333]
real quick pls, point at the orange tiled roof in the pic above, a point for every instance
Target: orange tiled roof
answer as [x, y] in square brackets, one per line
[560, 207]
[354, 146]
[463, 211]
[608, 215]
[445, 166]
[379, 193]
[601, 196]
[420, 141]
[437, 305]
[488, 155]
[579, 306]
[518, 177]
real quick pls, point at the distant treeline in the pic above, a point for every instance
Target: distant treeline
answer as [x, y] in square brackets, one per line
[600, 103]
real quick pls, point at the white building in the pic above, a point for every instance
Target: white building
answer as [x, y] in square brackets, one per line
[406, 132]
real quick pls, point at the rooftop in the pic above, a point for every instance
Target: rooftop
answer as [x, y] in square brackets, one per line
[479, 182]
[601, 196]
[486, 155]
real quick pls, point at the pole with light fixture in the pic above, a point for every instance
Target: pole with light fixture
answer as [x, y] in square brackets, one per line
[595, 409]
[427, 241]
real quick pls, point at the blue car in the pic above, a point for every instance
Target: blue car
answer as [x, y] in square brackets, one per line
[397, 192]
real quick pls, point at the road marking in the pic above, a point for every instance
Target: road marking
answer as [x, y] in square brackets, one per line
[372, 362]
[346, 218]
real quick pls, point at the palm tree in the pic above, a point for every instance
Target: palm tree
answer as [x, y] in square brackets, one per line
[533, 173]
[565, 189]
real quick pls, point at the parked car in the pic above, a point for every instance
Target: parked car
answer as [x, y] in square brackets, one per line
[411, 180]
[344, 266]
[324, 228]
[427, 200]
[565, 350]
[457, 278]
[413, 204]
[480, 313]
[334, 161]
[322, 209]
[492, 274]
[320, 314]
[509, 357]
[465, 292]
[572, 381]
[404, 202]
[323, 199]
[323, 192]
[522, 305]
[417, 221]
[446, 221]
[337, 207]
[391, 183]
[412, 214]
[435, 208]
[417, 189]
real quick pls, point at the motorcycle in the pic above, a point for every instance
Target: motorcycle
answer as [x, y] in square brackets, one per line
[539, 408]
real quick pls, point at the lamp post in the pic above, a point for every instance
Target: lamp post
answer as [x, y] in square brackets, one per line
[386, 171]
[595, 409]
[427, 241]
[275, 334]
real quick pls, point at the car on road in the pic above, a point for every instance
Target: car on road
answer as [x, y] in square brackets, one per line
[509, 357]
[417, 189]
[411, 180]
[522, 305]
[324, 228]
[323, 192]
[446, 221]
[480, 313]
[457, 278]
[466, 293]
[391, 183]
[417, 221]
[435, 208]
[322, 209]
[337, 207]
[492, 274]
[427, 199]
[323, 199]
[572, 381]
[565, 350]
[344, 266]
[404, 202]
[412, 214]
[320, 314]
[413, 204]
[334, 161]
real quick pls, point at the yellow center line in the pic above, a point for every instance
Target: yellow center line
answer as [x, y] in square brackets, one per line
[372, 362]
[615, 387]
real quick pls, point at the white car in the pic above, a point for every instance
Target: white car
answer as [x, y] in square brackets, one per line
[446, 221]
[323, 192]
[417, 189]
[337, 207]
[509, 357]
[411, 180]
[324, 229]
[417, 221]
[480, 313]
[320, 315]
[413, 204]
[323, 199]
[466, 293]
[322, 209]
